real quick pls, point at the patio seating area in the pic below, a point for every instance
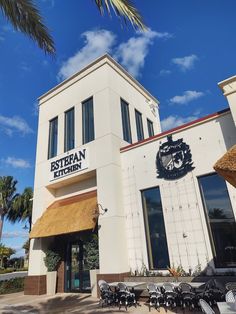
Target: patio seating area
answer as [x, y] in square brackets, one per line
[210, 297]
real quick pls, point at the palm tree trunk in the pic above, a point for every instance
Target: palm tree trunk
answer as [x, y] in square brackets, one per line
[1, 225]
[30, 222]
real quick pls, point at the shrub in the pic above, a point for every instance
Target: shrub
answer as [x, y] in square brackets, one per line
[51, 260]
[6, 270]
[12, 285]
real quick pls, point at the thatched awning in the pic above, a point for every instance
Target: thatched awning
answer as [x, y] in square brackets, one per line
[226, 166]
[73, 214]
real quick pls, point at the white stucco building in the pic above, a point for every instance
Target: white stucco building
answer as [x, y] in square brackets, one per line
[100, 147]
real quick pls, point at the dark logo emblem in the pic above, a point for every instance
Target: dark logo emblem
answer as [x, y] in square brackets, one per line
[174, 159]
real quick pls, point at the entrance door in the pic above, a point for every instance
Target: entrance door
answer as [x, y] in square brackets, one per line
[77, 274]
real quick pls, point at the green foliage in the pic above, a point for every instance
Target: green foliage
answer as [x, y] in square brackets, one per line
[123, 9]
[21, 211]
[12, 285]
[51, 260]
[6, 270]
[26, 246]
[25, 17]
[92, 252]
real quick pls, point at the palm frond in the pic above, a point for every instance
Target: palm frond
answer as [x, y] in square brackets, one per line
[24, 16]
[123, 8]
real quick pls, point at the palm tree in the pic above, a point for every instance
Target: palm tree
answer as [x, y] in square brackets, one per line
[25, 17]
[122, 8]
[22, 207]
[5, 253]
[7, 197]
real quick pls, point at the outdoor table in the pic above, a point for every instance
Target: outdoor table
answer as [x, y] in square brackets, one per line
[225, 308]
[176, 284]
[129, 284]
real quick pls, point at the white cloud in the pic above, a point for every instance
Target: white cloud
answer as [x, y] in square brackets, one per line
[132, 53]
[97, 43]
[16, 162]
[15, 234]
[24, 67]
[14, 124]
[185, 63]
[187, 97]
[173, 121]
[165, 72]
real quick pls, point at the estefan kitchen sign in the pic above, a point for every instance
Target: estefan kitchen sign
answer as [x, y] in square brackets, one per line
[68, 164]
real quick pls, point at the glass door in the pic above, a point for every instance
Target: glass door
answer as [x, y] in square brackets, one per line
[77, 274]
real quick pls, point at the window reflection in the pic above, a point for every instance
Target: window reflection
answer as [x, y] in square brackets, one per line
[69, 130]
[88, 121]
[125, 121]
[52, 144]
[155, 229]
[220, 218]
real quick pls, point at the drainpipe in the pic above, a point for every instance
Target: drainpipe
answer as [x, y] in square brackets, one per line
[228, 88]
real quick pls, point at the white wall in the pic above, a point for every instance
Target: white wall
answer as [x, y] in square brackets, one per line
[106, 82]
[181, 201]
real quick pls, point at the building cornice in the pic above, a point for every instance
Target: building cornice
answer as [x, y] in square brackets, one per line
[105, 59]
[228, 86]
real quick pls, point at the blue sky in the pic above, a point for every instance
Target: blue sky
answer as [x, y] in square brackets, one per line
[189, 48]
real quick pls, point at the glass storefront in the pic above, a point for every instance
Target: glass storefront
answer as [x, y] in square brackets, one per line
[220, 219]
[155, 229]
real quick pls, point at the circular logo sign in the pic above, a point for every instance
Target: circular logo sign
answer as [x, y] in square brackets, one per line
[174, 159]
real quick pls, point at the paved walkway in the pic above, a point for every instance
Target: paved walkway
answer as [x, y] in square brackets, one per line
[15, 274]
[18, 303]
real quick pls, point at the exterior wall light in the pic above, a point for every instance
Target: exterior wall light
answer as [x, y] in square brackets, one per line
[99, 210]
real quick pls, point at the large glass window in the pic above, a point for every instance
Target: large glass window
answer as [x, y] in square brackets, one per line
[88, 121]
[150, 128]
[52, 143]
[126, 121]
[220, 219]
[139, 125]
[155, 229]
[69, 130]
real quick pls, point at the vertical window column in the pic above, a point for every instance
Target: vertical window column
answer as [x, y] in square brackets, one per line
[126, 121]
[220, 219]
[69, 130]
[150, 128]
[155, 229]
[88, 121]
[53, 134]
[139, 125]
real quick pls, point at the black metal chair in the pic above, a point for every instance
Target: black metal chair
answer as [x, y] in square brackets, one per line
[170, 295]
[231, 286]
[125, 297]
[230, 297]
[212, 292]
[107, 297]
[205, 307]
[155, 296]
[187, 296]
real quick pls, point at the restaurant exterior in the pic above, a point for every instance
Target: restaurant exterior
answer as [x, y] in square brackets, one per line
[104, 166]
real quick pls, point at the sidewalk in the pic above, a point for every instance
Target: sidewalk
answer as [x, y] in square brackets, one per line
[17, 303]
[15, 274]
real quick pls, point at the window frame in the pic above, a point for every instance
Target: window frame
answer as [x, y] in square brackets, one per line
[207, 220]
[150, 123]
[92, 138]
[147, 229]
[139, 125]
[50, 155]
[66, 148]
[125, 115]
